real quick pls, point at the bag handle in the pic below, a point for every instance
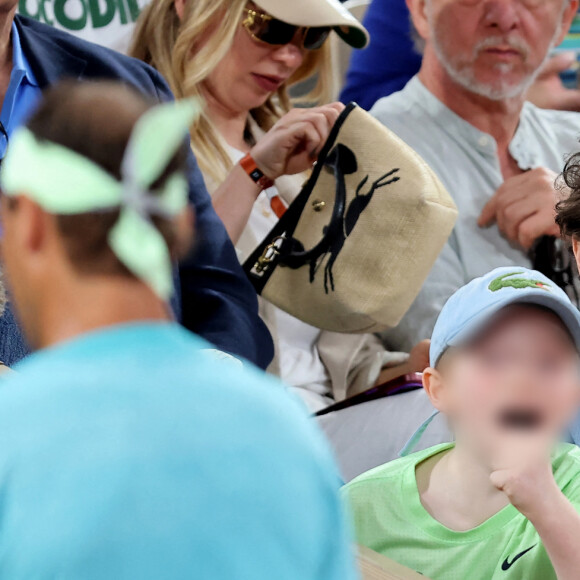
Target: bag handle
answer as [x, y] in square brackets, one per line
[341, 161]
[280, 246]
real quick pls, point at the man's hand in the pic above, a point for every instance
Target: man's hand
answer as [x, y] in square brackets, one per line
[524, 207]
[523, 471]
[549, 92]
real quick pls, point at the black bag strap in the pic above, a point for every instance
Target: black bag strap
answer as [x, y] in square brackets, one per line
[279, 246]
[340, 161]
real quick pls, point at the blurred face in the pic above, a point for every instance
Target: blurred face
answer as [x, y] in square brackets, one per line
[252, 71]
[493, 48]
[522, 373]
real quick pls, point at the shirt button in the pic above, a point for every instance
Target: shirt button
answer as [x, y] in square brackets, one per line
[484, 141]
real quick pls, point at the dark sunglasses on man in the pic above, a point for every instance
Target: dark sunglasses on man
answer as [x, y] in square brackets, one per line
[266, 29]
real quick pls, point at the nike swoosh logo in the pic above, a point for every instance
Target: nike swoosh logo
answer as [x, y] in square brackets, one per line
[507, 565]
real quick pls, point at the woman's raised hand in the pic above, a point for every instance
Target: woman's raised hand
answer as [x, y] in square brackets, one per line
[294, 142]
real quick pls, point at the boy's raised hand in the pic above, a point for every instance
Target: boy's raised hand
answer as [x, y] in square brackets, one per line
[523, 469]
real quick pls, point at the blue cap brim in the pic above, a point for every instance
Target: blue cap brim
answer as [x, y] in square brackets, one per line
[568, 313]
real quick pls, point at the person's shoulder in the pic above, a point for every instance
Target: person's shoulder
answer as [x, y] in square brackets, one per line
[258, 407]
[551, 119]
[409, 115]
[566, 469]
[402, 101]
[391, 472]
[364, 486]
[554, 133]
[154, 354]
[392, 105]
[566, 464]
[101, 62]
[542, 113]
[140, 362]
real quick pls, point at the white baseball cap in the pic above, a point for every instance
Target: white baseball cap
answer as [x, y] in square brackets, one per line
[317, 14]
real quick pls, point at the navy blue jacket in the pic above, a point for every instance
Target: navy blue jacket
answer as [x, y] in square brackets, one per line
[218, 303]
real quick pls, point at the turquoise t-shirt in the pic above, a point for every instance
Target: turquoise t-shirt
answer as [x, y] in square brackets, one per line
[129, 453]
[390, 519]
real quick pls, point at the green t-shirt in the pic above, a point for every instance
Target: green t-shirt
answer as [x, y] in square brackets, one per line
[390, 519]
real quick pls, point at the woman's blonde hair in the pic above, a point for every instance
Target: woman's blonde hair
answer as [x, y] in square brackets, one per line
[185, 55]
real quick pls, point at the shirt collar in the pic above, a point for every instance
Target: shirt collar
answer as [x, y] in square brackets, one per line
[451, 122]
[521, 146]
[525, 147]
[19, 60]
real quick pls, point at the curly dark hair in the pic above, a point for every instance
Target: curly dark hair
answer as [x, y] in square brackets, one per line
[568, 210]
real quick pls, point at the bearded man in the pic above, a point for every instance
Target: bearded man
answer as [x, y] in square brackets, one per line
[498, 155]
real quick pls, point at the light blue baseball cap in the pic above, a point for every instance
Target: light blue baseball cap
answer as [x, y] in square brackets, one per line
[470, 309]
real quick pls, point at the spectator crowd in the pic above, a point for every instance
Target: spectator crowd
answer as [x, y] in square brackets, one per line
[159, 417]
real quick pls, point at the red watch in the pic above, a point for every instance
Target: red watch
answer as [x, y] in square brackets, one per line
[256, 175]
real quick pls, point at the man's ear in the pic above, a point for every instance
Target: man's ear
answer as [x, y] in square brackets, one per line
[29, 224]
[433, 385]
[35, 222]
[418, 10]
[570, 11]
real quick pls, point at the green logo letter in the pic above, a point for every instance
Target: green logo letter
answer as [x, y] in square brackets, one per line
[70, 23]
[99, 18]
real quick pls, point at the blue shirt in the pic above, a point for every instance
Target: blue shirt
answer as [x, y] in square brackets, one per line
[390, 60]
[130, 453]
[21, 98]
[23, 91]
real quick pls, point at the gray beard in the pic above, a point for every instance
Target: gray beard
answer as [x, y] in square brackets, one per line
[466, 78]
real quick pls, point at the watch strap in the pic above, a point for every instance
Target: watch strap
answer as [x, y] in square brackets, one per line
[248, 164]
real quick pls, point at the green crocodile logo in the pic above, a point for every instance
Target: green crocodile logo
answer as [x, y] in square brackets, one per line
[506, 281]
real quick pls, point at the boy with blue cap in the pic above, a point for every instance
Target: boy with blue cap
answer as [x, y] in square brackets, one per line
[502, 501]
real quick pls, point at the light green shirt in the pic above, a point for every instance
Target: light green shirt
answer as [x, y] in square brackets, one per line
[390, 519]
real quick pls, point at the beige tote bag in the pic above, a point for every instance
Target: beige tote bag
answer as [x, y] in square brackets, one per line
[353, 250]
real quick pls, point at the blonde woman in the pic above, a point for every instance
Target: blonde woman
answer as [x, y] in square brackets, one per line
[241, 57]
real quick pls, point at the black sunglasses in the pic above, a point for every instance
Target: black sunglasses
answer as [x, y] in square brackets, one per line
[267, 29]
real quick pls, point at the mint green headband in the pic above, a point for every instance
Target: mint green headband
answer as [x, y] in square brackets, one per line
[66, 183]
